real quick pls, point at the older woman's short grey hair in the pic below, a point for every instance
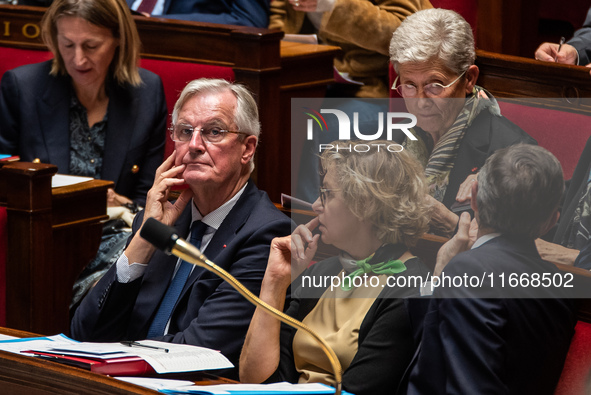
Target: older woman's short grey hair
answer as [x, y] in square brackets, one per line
[246, 117]
[434, 34]
[387, 189]
[519, 189]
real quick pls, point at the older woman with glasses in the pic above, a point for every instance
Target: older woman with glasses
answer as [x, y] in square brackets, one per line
[372, 207]
[459, 123]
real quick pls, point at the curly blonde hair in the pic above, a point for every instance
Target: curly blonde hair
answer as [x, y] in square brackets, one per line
[387, 189]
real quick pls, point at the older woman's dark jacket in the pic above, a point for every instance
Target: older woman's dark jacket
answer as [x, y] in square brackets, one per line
[484, 136]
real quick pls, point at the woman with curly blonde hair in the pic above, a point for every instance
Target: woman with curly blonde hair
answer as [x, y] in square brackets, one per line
[372, 207]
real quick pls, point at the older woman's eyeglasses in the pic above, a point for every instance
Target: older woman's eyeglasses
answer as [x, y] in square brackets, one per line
[182, 133]
[432, 89]
[324, 194]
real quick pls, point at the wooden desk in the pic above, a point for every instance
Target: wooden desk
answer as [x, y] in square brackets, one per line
[52, 235]
[507, 76]
[518, 27]
[22, 375]
[273, 70]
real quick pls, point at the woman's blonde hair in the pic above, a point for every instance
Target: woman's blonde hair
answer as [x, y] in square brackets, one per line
[385, 188]
[111, 14]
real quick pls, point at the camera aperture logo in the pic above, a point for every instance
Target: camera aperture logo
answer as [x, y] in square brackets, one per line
[315, 116]
[390, 119]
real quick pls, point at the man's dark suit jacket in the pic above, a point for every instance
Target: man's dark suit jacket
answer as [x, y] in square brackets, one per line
[228, 12]
[582, 41]
[576, 188]
[210, 313]
[34, 123]
[473, 345]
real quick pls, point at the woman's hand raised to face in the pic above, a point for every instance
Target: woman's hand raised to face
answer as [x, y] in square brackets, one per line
[291, 255]
[303, 246]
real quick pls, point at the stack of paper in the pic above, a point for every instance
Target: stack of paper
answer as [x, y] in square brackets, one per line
[162, 357]
[132, 358]
[174, 387]
[9, 158]
[18, 345]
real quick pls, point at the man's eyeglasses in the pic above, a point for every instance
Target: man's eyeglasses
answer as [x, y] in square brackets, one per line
[433, 89]
[183, 133]
[323, 194]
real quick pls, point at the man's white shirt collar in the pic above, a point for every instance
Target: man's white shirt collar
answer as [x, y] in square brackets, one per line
[216, 217]
[483, 239]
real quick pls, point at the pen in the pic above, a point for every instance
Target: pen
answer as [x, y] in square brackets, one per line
[559, 46]
[136, 344]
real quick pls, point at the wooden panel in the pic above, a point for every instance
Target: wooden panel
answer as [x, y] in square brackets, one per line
[306, 70]
[52, 235]
[563, 86]
[508, 26]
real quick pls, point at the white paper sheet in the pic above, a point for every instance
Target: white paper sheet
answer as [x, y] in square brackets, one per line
[63, 180]
[179, 358]
[182, 357]
[275, 388]
[157, 384]
[17, 345]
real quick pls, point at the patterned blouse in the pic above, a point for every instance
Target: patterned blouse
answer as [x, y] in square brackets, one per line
[87, 144]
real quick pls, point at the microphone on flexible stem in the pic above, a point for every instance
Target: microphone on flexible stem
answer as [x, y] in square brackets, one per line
[166, 239]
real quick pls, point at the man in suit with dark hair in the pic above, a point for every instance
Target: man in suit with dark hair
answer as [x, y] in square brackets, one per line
[148, 294]
[229, 12]
[486, 330]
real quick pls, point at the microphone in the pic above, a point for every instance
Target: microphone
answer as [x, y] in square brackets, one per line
[166, 239]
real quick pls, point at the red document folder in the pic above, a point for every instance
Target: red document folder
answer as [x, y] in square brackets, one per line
[124, 366]
[8, 158]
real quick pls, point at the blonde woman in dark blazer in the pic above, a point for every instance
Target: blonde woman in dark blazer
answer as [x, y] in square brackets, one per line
[90, 110]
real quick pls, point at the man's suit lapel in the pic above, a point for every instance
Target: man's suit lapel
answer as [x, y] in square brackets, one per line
[120, 129]
[158, 275]
[156, 280]
[226, 233]
[166, 6]
[53, 112]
